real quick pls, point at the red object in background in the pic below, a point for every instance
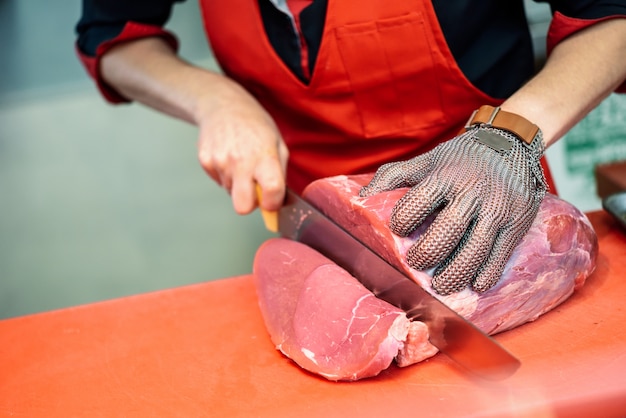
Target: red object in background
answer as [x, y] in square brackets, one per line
[610, 178]
[203, 351]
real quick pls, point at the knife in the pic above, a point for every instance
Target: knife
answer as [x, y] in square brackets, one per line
[465, 344]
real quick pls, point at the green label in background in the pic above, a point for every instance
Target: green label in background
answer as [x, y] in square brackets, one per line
[599, 138]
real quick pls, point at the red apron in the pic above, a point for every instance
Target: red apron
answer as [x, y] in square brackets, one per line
[385, 86]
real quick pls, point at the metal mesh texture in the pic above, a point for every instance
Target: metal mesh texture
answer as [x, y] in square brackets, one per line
[487, 199]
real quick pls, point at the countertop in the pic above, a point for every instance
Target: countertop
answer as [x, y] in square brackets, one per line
[202, 351]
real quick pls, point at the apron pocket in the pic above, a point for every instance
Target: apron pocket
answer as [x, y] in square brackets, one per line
[392, 75]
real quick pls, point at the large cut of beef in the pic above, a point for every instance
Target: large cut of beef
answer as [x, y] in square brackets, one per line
[328, 323]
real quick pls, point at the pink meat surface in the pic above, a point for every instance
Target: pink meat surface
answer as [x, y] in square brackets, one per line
[328, 323]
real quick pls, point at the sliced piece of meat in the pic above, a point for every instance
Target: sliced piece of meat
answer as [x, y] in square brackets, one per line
[322, 318]
[328, 323]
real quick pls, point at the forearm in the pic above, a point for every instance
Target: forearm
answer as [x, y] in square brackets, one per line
[581, 71]
[149, 71]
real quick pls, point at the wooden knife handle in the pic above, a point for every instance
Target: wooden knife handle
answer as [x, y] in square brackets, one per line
[270, 218]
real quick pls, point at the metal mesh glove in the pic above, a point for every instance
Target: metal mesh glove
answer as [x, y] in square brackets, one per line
[488, 184]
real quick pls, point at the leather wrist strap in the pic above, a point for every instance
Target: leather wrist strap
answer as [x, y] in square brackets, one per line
[494, 116]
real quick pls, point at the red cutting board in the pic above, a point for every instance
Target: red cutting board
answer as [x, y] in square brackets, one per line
[202, 351]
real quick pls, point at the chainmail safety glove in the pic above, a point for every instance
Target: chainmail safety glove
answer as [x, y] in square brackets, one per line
[488, 184]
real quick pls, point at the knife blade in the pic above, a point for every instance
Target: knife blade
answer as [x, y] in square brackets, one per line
[457, 338]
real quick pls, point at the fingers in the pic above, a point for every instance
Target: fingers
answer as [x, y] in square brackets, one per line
[270, 176]
[493, 268]
[400, 174]
[444, 234]
[415, 206]
[459, 270]
[238, 172]
[466, 250]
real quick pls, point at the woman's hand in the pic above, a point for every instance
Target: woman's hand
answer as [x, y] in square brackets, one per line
[240, 146]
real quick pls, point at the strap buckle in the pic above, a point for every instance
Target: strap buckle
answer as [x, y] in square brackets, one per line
[489, 121]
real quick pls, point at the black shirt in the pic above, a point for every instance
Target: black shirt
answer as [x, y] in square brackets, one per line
[489, 39]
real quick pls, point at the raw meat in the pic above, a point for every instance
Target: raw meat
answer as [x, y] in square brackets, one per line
[552, 260]
[323, 318]
[328, 323]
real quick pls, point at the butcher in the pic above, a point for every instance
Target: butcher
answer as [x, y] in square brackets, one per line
[439, 96]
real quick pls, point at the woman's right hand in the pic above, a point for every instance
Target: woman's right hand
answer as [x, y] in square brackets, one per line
[240, 146]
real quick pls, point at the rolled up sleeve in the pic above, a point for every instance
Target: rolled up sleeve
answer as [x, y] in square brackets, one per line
[107, 23]
[571, 16]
